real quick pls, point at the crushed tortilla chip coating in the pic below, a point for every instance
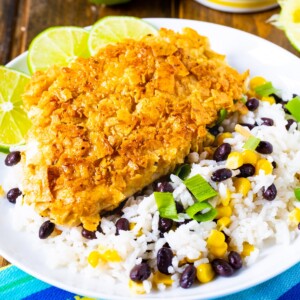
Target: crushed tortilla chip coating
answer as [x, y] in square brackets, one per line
[107, 126]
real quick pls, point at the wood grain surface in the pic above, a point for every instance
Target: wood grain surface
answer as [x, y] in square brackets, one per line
[22, 20]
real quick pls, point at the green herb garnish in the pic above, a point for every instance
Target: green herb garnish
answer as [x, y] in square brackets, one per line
[183, 171]
[196, 212]
[265, 90]
[200, 188]
[166, 205]
[297, 193]
[222, 115]
[251, 143]
[293, 107]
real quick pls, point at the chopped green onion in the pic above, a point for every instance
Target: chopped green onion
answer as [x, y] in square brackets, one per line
[293, 107]
[265, 90]
[166, 205]
[297, 193]
[200, 188]
[183, 171]
[195, 212]
[251, 143]
[222, 115]
[243, 99]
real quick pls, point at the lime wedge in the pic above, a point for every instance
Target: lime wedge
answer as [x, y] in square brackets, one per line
[14, 122]
[57, 46]
[115, 29]
[289, 20]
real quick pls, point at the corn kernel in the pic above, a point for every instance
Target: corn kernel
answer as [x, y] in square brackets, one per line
[247, 249]
[225, 201]
[219, 251]
[215, 239]
[295, 215]
[269, 99]
[223, 222]
[242, 130]
[250, 157]
[2, 193]
[93, 258]
[257, 81]
[209, 140]
[137, 287]
[205, 273]
[111, 255]
[264, 165]
[234, 160]
[209, 151]
[162, 278]
[131, 225]
[222, 136]
[224, 211]
[242, 186]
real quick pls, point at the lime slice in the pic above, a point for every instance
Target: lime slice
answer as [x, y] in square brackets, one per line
[289, 20]
[14, 122]
[115, 29]
[57, 46]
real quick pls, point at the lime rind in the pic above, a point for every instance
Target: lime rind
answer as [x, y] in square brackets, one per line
[14, 122]
[114, 29]
[57, 46]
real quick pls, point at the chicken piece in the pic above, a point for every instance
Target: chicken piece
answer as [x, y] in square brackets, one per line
[107, 126]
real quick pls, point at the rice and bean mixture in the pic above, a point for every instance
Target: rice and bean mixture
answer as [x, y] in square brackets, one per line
[210, 218]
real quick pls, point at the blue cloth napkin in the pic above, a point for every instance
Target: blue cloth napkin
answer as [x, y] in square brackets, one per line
[16, 284]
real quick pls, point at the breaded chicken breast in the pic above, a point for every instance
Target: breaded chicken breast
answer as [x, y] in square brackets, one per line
[107, 126]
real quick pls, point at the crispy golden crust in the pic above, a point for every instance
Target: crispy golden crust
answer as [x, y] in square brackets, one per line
[107, 126]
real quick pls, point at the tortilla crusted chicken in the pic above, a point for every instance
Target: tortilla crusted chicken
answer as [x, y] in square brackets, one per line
[107, 126]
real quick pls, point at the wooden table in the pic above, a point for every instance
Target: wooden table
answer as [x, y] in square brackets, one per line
[22, 20]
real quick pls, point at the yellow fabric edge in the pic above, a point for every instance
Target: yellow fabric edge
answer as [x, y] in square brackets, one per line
[5, 267]
[243, 5]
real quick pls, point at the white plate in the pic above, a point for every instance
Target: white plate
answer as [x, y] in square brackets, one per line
[243, 51]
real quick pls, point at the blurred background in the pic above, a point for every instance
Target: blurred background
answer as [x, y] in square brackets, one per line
[22, 20]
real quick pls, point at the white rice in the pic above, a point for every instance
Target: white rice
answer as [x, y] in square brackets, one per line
[254, 220]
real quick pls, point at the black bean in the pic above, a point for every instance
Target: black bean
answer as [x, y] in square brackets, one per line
[122, 224]
[274, 164]
[290, 122]
[46, 229]
[99, 228]
[90, 235]
[269, 193]
[166, 245]
[164, 187]
[235, 260]
[214, 130]
[252, 104]
[222, 267]
[264, 147]
[267, 122]
[222, 152]
[179, 207]
[250, 126]
[164, 224]
[299, 226]
[164, 260]
[12, 158]
[246, 170]
[13, 194]
[188, 277]
[277, 98]
[221, 174]
[140, 272]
